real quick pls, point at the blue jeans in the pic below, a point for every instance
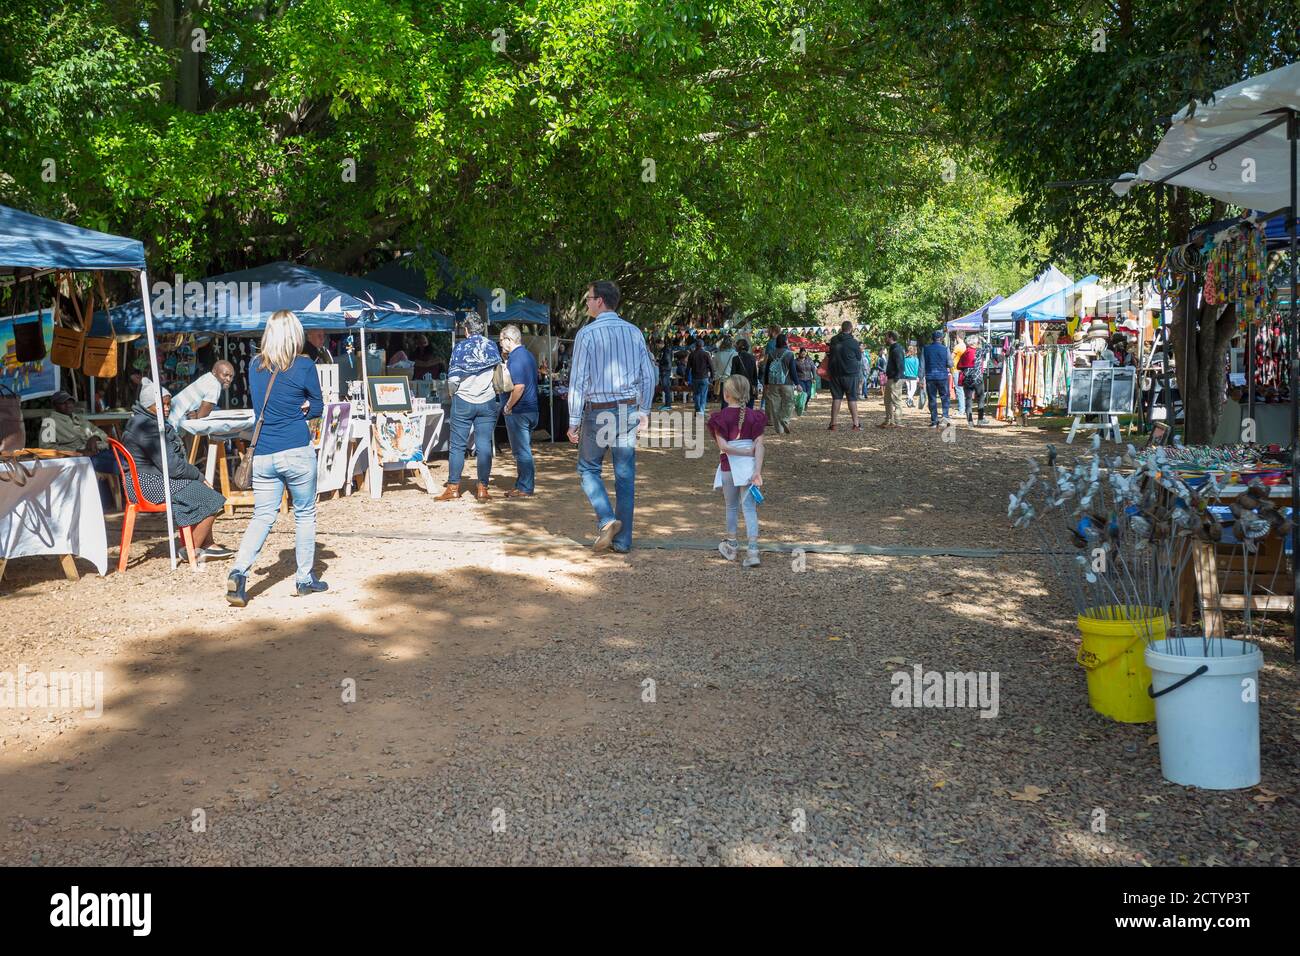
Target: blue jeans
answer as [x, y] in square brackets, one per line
[613, 429]
[294, 469]
[961, 401]
[934, 388]
[701, 395]
[483, 418]
[519, 426]
[666, 383]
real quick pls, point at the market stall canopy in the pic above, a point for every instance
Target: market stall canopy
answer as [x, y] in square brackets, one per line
[242, 302]
[458, 290]
[1060, 305]
[1253, 174]
[31, 243]
[973, 321]
[1047, 283]
[1134, 297]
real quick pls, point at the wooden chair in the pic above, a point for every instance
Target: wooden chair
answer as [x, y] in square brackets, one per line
[134, 501]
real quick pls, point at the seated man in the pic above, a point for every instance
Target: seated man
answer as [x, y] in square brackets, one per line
[66, 430]
[202, 395]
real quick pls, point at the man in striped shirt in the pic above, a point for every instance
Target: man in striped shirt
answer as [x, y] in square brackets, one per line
[611, 385]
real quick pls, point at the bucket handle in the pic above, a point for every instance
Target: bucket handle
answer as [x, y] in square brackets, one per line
[1153, 693]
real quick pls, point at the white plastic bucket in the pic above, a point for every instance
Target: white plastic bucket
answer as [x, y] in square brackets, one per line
[1207, 711]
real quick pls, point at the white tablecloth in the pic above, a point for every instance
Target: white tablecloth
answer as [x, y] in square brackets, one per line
[226, 424]
[58, 511]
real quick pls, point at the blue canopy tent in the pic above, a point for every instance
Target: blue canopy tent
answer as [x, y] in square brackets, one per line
[1056, 306]
[458, 291]
[240, 302]
[31, 245]
[973, 321]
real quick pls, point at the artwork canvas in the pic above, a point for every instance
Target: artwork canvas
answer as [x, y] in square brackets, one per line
[390, 393]
[399, 438]
[332, 459]
[1080, 391]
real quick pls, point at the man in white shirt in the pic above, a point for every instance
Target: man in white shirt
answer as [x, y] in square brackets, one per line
[201, 396]
[611, 385]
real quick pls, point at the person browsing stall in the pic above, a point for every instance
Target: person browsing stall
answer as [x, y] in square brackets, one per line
[521, 409]
[284, 389]
[473, 406]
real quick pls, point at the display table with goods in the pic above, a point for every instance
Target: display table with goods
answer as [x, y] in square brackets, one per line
[50, 504]
[217, 428]
[1122, 532]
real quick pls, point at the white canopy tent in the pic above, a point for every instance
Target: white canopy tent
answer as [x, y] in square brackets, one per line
[1211, 148]
[1052, 280]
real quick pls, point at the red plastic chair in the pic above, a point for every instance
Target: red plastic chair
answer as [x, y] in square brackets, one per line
[134, 501]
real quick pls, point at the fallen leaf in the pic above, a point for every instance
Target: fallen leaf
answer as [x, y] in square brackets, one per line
[1142, 816]
[1265, 796]
[899, 661]
[1150, 799]
[832, 637]
[1031, 794]
[1153, 740]
[940, 785]
[889, 734]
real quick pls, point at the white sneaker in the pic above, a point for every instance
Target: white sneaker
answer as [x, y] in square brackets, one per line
[727, 549]
[751, 558]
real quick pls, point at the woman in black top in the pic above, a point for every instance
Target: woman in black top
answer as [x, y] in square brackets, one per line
[744, 364]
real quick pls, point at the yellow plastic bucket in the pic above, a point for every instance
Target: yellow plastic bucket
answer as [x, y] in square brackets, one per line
[1114, 645]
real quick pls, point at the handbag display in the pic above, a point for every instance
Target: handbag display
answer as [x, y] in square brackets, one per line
[69, 340]
[29, 337]
[13, 433]
[100, 356]
[243, 479]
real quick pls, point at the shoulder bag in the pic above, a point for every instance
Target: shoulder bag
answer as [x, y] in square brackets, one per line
[244, 473]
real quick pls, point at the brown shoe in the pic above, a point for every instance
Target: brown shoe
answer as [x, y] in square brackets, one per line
[516, 493]
[450, 493]
[481, 492]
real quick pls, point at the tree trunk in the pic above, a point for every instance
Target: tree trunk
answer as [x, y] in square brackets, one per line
[1201, 367]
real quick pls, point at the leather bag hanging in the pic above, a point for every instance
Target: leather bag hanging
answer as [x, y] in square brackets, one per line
[29, 337]
[100, 357]
[243, 479]
[69, 339]
[13, 434]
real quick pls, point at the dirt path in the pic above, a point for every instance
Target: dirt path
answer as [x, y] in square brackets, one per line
[501, 681]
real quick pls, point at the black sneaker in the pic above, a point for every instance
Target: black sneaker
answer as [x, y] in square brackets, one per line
[235, 592]
[311, 587]
[216, 552]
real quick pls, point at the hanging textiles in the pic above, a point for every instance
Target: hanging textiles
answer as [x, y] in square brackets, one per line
[1035, 379]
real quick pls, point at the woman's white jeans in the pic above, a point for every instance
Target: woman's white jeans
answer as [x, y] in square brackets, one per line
[294, 469]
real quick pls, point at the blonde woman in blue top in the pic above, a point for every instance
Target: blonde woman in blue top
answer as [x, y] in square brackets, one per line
[284, 458]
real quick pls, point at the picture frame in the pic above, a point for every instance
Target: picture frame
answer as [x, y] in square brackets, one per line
[390, 393]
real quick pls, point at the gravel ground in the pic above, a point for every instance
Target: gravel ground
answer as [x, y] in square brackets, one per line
[504, 711]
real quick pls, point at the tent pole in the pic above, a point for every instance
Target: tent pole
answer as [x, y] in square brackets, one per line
[371, 450]
[162, 426]
[550, 377]
[1292, 134]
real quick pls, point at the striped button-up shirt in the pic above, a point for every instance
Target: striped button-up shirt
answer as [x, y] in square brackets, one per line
[611, 363]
